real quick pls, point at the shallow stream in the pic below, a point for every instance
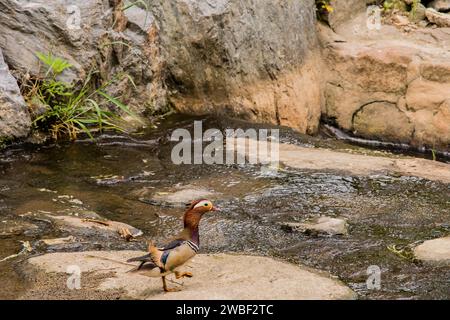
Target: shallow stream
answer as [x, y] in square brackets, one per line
[112, 176]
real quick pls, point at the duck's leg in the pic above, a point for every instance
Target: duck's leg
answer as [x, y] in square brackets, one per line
[179, 274]
[165, 286]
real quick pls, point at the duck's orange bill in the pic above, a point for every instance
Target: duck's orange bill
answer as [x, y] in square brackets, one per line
[215, 209]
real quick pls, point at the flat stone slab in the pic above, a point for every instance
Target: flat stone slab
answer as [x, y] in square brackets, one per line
[436, 251]
[361, 165]
[216, 276]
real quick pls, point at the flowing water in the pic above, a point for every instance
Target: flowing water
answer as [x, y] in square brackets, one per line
[110, 177]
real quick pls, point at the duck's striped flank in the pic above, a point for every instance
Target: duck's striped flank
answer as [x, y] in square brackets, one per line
[193, 246]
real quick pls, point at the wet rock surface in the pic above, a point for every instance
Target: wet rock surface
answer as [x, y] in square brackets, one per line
[218, 276]
[298, 157]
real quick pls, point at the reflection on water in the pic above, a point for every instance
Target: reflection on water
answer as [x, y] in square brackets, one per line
[111, 176]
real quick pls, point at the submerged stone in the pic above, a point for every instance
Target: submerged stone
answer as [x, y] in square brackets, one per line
[179, 198]
[88, 226]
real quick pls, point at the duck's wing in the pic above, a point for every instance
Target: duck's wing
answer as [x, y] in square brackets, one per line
[146, 262]
[150, 260]
[172, 244]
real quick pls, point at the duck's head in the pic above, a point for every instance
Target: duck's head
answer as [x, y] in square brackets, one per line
[201, 206]
[195, 211]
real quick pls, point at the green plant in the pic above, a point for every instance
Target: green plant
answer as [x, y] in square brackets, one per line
[389, 5]
[324, 5]
[2, 143]
[71, 110]
[324, 8]
[433, 153]
[55, 64]
[414, 8]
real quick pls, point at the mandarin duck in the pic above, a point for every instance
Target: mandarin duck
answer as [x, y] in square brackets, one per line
[160, 262]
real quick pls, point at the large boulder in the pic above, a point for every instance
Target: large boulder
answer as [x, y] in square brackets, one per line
[387, 85]
[255, 60]
[73, 30]
[221, 56]
[14, 117]
[91, 35]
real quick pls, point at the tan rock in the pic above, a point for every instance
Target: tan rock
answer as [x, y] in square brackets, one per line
[400, 20]
[440, 5]
[343, 103]
[432, 127]
[383, 121]
[57, 241]
[216, 276]
[438, 18]
[436, 71]
[372, 69]
[435, 251]
[383, 69]
[293, 99]
[424, 94]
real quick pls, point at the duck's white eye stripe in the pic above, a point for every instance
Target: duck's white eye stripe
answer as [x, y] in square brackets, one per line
[202, 204]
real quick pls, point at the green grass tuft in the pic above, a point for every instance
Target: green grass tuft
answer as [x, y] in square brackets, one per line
[69, 109]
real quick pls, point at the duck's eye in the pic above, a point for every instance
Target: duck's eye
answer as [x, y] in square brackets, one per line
[205, 204]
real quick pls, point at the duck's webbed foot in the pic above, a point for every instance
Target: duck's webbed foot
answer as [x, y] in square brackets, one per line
[179, 274]
[166, 289]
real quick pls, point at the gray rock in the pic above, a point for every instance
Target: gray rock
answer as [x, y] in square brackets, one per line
[328, 225]
[436, 251]
[344, 10]
[15, 120]
[217, 276]
[440, 5]
[27, 27]
[236, 57]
